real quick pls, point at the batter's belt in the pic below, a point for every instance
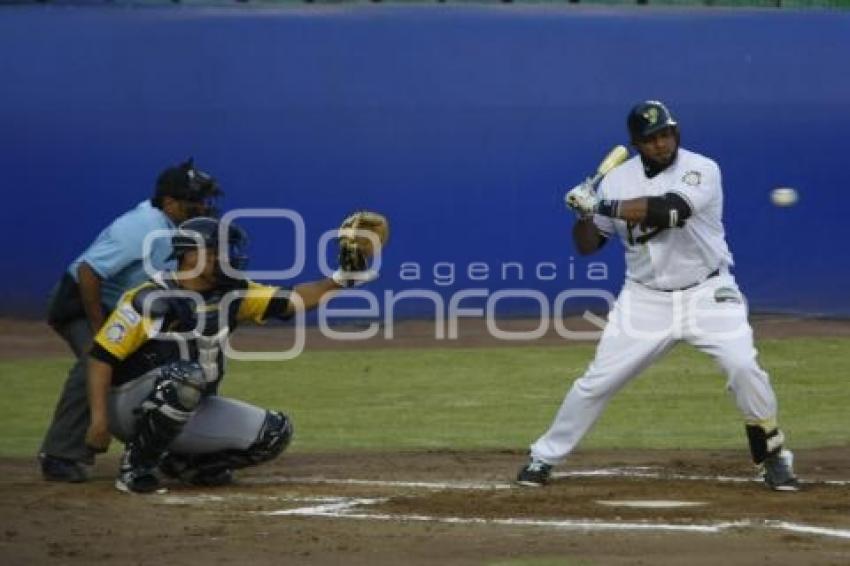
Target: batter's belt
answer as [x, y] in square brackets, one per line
[714, 273]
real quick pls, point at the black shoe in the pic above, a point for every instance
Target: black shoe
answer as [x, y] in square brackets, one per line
[778, 472]
[213, 478]
[185, 469]
[136, 479]
[61, 469]
[534, 474]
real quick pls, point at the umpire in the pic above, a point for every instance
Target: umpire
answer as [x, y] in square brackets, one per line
[90, 289]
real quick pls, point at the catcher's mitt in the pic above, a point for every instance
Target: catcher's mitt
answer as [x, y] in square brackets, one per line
[360, 236]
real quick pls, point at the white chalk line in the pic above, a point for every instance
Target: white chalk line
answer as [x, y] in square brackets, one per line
[206, 498]
[643, 472]
[335, 507]
[346, 510]
[378, 483]
[639, 472]
[808, 529]
[652, 503]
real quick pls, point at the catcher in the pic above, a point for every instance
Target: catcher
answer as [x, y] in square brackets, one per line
[157, 362]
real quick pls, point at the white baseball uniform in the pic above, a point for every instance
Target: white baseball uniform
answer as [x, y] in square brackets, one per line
[678, 287]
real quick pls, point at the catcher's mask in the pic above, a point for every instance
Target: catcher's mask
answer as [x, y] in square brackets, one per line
[209, 232]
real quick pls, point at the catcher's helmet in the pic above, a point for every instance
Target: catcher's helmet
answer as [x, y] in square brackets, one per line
[203, 229]
[649, 117]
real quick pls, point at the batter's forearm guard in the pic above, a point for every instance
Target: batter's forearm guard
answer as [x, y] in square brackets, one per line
[667, 211]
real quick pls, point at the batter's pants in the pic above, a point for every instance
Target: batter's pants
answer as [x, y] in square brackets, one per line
[644, 325]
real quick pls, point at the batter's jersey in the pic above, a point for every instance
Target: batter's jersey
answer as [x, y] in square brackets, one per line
[116, 253]
[670, 258]
[133, 341]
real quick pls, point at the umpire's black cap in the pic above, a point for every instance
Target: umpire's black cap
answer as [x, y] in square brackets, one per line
[647, 118]
[186, 182]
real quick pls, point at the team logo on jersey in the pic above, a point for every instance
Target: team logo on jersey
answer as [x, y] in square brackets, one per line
[726, 295]
[692, 178]
[116, 332]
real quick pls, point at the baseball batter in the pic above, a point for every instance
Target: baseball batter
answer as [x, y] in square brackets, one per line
[665, 205]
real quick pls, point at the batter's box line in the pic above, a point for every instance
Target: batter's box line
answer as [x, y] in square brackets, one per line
[167, 498]
[347, 510]
[644, 473]
[640, 472]
[439, 485]
[334, 507]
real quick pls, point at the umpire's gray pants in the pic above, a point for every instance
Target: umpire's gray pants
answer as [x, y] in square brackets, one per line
[219, 423]
[66, 435]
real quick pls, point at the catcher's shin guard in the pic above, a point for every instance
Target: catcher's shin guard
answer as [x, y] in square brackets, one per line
[175, 397]
[206, 469]
[765, 439]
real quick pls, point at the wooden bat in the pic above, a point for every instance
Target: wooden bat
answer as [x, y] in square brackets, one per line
[614, 158]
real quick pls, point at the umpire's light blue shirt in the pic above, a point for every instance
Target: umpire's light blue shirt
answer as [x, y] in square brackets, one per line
[116, 254]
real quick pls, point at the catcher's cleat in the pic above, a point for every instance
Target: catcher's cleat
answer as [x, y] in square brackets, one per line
[179, 468]
[213, 478]
[778, 472]
[61, 469]
[135, 479]
[534, 474]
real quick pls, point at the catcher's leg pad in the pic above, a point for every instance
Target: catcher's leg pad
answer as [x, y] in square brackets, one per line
[163, 415]
[274, 436]
[765, 440]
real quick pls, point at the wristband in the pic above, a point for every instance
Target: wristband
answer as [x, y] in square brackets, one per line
[340, 279]
[610, 208]
[349, 279]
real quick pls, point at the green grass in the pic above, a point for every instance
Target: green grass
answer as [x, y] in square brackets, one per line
[489, 398]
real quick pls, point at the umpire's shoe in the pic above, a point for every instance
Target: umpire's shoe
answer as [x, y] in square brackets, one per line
[534, 474]
[135, 479]
[61, 469]
[778, 472]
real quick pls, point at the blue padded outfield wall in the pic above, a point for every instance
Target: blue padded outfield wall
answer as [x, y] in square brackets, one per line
[463, 124]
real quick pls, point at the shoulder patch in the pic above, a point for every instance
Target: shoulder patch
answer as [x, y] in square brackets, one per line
[129, 314]
[116, 332]
[692, 178]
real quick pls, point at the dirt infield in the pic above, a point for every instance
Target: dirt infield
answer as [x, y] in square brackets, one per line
[21, 339]
[436, 507]
[440, 507]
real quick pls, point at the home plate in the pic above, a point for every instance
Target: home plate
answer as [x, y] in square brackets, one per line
[652, 503]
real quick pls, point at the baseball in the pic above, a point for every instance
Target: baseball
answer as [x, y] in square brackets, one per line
[783, 196]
